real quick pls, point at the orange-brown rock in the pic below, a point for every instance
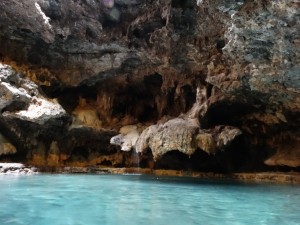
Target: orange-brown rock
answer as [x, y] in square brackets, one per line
[211, 85]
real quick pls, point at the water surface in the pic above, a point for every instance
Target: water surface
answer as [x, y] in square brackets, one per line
[133, 199]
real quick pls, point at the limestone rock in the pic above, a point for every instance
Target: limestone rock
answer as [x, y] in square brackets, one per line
[206, 142]
[16, 168]
[213, 68]
[13, 93]
[226, 135]
[182, 134]
[144, 139]
[262, 80]
[285, 158]
[20, 98]
[175, 134]
[127, 138]
[85, 115]
[217, 138]
[6, 147]
[287, 152]
[27, 115]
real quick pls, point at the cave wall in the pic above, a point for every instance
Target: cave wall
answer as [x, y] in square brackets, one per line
[228, 65]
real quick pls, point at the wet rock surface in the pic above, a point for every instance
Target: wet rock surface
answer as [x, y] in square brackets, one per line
[16, 168]
[207, 85]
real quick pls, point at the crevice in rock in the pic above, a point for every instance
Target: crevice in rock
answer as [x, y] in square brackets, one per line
[226, 113]
[105, 162]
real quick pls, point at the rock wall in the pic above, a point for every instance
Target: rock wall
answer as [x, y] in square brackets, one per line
[207, 85]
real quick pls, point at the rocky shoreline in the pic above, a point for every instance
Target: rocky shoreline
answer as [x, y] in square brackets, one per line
[17, 168]
[260, 177]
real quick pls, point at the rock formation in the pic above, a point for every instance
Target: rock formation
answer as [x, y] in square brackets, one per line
[208, 85]
[182, 134]
[6, 147]
[16, 168]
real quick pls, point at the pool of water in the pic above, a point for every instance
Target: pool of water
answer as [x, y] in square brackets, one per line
[133, 199]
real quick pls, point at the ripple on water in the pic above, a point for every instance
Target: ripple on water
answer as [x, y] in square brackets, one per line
[130, 200]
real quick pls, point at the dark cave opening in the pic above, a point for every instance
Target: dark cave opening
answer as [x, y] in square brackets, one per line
[153, 81]
[147, 102]
[143, 100]
[225, 113]
[148, 114]
[182, 4]
[174, 160]
[105, 162]
[69, 99]
[189, 96]
[136, 101]
[238, 157]
[285, 169]
[80, 152]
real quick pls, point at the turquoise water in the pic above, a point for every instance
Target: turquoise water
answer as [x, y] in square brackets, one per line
[143, 200]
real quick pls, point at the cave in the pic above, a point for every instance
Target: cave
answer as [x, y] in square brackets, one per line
[74, 75]
[149, 112]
